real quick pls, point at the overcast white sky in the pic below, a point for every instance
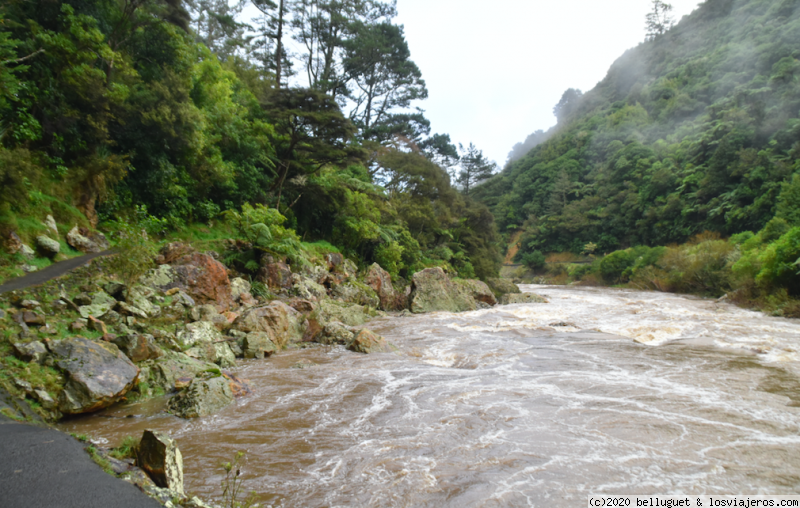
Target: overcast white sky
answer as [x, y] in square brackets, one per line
[495, 69]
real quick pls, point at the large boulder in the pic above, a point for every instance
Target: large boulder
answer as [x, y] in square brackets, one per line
[381, 282]
[204, 342]
[239, 287]
[276, 275]
[204, 396]
[158, 455]
[47, 246]
[98, 373]
[335, 333]
[349, 314]
[199, 275]
[502, 286]
[85, 241]
[166, 372]
[137, 303]
[283, 324]
[432, 290]
[512, 298]
[478, 290]
[307, 287]
[258, 345]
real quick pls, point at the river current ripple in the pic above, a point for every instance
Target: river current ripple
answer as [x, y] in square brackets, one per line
[599, 391]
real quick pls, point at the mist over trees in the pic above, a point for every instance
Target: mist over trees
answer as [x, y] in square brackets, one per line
[187, 110]
[693, 130]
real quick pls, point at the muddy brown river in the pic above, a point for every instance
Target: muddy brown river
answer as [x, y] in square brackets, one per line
[599, 391]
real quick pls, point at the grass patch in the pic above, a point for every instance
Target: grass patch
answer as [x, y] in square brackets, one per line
[126, 450]
[99, 459]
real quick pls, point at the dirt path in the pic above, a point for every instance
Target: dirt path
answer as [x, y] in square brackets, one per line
[51, 272]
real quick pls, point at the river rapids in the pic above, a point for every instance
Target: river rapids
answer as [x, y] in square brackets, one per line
[600, 391]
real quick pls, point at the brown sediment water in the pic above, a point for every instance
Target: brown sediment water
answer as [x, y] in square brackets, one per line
[519, 405]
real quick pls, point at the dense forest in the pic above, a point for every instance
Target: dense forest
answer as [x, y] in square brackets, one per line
[695, 129]
[178, 112]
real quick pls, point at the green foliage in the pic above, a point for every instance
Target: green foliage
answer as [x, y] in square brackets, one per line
[534, 260]
[136, 251]
[126, 449]
[779, 262]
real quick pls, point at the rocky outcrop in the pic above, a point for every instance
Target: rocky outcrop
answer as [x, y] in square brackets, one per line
[86, 241]
[204, 396]
[502, 286]
[381, 282]
[283, 324]
[512, 298]
[478, 290]
[432, 290]
[158, 455]
[166, 372]
[47, 246]
[99, 374]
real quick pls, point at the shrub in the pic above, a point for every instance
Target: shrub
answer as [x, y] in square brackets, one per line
[779, 262]
[533, 260]
[613, 265]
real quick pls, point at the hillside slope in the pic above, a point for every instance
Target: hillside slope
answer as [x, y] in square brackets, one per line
[695, 130]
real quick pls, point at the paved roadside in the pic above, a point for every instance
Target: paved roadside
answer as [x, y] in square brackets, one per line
[45, 468]
[51, 272]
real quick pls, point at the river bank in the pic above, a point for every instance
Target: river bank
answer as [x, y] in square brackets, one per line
[511, 406]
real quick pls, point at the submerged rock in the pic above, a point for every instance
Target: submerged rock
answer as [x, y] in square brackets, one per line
[512, 298]
[158, 455]
[202, 397]
[502, 286]
[367, 341]
[432, 290]
[99, 374]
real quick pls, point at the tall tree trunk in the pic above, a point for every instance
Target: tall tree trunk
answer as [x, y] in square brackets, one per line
[279, 48]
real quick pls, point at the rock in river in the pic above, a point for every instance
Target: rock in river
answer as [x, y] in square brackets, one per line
[99, 374]
[158, 455]
[202, 397]
[432, 290]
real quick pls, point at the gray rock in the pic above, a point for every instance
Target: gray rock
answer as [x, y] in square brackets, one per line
[131, 311]
[335, 333]
[367, 341]
[29, 304]
[158, 455]
[115, 289]
[283, 324]
[29, 268]
[166, 371]
[48, 246]
[502, 286]
[82, 299]
[50, 223]
[199, 332]
[202, 397]
[80, 242]
[307, 288]
[219, 353]
[258, 345]
[479, 291]
[44, 399]
[204, 313]
[30, 351]
[356, 292]
[183, 299]
[159, 277]
[138, 297]
[98, 373]
[512, 298]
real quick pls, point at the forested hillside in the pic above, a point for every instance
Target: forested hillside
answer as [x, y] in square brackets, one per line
[177, 112]
[695, 129]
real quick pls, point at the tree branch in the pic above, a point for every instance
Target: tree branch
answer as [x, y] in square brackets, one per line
[18, 60]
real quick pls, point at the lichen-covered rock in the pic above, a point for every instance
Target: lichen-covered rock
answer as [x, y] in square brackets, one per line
[502, 286]
[307, 288]
[258, 345]
[367, 341]
[48, 246]
[512, 298]
[199, 332]
[219, 353]
[158, 455]
[164, 372]
[381, 282]
[99, 374]
[102, 302]
[334, 260]
[85, 241]
[355, 292]
[138, 347]
[432, 290]
[239, 286]
[50, 223]
[335, 333]
[33, 351]
[202, 397]
[478, 290]
[276, 275]
[159, 277]
[349, 314]
[204, 313]
[283, 324]
[205, 279]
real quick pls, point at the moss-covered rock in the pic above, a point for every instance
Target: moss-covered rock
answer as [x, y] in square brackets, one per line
[164, 372]
[356, 292]
[512, 298]
[478, 290]
[348, 314]
[502, 286]
[204, 396]
[432, 290]
[283, 324]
